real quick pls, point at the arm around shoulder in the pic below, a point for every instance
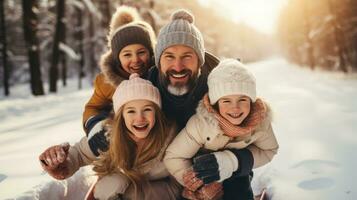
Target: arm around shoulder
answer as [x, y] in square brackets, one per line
[178, 157]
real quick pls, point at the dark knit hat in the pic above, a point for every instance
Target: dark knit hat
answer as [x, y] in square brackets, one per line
[180, 31]
[126, 28]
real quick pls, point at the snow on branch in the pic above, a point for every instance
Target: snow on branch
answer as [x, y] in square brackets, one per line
[69, 51]
[92, 9]
[77, 4]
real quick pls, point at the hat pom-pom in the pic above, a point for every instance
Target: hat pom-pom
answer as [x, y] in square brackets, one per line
[183, 14]
[123, 15]
[134, 75]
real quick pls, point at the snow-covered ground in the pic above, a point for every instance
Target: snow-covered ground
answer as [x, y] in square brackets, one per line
[315, 123]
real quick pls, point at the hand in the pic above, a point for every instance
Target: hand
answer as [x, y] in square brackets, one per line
[191, 182]
[212, 191]
[216, 166]
[53, 161]
[97, 140]
[188, 194]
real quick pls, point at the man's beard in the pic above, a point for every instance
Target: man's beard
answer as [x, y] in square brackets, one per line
[179, 89]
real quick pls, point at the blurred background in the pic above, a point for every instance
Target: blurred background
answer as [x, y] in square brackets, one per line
[302, 52]
[50, 41]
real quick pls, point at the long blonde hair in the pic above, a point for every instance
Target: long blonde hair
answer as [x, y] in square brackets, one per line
[123, 155]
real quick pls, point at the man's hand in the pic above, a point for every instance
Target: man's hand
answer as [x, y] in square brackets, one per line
[191, 182]
[216, 166]
[213, 191]
[53, 161]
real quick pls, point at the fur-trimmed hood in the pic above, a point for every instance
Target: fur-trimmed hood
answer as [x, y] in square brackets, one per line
[203, 114]
[110, 70]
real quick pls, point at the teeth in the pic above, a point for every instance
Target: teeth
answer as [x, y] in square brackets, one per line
[141, 126]
[235, 115]
[179, 75]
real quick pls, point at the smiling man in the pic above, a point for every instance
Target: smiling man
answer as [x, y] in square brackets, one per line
[182, 67]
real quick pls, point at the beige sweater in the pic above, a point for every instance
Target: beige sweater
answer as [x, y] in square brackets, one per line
[203, 131]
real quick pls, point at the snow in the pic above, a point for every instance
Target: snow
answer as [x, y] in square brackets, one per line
[315, 115]
[69, 51]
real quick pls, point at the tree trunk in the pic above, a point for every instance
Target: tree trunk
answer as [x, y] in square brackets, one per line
[105, 10]
[57, 39]
[4, 48]
[79, 37]
[339, 38]
[310, 47]
[30, 27]
[62, 54]
[64, 68]
[93, 62]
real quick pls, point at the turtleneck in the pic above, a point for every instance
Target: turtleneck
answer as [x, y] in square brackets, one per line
[180, 108]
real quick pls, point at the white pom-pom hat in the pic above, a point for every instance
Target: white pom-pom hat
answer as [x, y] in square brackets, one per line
[230, 77]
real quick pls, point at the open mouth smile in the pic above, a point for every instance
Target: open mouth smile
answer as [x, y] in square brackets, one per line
[141, 127]
[235, 115]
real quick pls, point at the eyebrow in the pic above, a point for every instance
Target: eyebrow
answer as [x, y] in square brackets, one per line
[132, 107]
[168, 53]
[126, 51]
[188, 53]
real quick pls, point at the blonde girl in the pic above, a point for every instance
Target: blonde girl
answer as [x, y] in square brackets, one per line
[132, 168]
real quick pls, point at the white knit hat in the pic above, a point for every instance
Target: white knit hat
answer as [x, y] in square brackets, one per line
[230, 77]
[135, 88]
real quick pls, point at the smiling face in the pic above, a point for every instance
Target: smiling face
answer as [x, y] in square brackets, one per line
[139, 118]
[179, 68]
[234, 108]
[135, 58]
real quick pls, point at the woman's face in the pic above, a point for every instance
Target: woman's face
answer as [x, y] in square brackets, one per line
[135, 58]
[139, 118]
[234, 108]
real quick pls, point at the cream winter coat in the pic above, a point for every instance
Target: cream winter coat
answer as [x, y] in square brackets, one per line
[203, 131]
[80, 155]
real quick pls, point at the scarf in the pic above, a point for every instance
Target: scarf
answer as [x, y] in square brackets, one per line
[258, 113]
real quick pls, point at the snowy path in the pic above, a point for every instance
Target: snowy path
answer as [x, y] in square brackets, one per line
[30, 125]
[315, 123]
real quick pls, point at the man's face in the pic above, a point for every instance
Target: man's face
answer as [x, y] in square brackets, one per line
[179, 69]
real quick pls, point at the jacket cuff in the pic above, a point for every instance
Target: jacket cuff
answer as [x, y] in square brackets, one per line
[245, 161]
[92, 121]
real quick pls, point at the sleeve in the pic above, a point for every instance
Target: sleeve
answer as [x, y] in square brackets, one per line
[180, 152]
[79, 155]
[99, 105]
[264, 148]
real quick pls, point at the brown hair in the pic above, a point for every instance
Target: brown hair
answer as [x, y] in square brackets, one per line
[123, 155]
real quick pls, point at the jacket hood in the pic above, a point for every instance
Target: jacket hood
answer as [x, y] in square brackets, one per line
[110, 70]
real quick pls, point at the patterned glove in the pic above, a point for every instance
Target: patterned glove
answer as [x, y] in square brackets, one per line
[97, 139]
[212, 191]
[216, 166]
[191, 182]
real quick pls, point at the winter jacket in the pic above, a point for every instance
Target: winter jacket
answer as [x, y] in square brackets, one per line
[203, 131]
[154, 170]
[181, 108]
[100, 104]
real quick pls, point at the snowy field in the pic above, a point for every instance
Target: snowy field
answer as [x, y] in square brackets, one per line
[315, 123]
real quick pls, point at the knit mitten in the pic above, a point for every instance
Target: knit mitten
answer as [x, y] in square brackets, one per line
[97, 139]
[216, 166]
